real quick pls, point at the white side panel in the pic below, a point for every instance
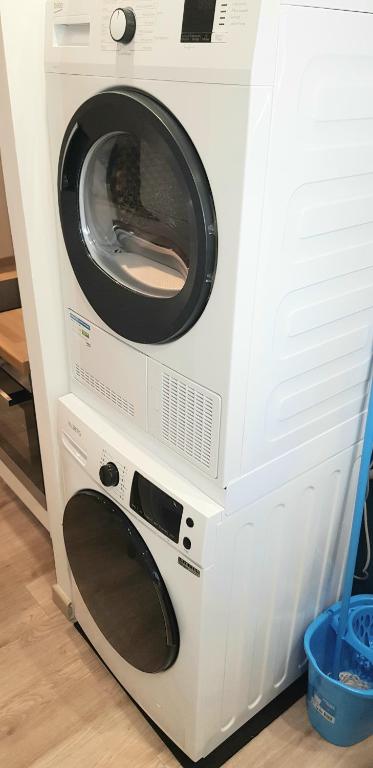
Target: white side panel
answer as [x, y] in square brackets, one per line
[289, 558]
[255, 171]
[313, 327]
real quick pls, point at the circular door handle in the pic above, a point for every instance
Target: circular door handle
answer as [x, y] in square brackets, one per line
[123, 25]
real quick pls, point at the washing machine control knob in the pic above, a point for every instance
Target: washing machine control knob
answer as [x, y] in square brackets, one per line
[123, 25]
[109, 475]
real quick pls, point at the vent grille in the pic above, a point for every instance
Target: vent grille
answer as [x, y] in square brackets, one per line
[187, 419]
[92, 382]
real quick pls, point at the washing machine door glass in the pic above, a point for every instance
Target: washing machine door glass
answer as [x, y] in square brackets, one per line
[120, 583]
[137, 216]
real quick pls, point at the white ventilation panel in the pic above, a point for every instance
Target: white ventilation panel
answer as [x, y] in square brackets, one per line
[97, 385]
[185, 416]
[112, 372]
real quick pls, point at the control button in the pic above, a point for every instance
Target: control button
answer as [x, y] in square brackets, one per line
[187, 543]
[190, 522]
[123, 25]
[109, 475]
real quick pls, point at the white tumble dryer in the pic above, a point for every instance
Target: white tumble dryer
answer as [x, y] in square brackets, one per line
[214, 178]
[199, 614]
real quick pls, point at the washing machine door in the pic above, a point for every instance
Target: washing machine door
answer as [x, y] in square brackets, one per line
[119, 582]
[137, 216]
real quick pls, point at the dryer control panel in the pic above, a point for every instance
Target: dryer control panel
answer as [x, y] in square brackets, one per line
[212, 41]
[156, 25]
[207, 21]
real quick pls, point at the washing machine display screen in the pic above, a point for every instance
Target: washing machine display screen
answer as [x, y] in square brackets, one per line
[155, 506]
[198, 21]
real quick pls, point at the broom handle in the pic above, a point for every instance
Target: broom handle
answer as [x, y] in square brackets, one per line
[366, 458]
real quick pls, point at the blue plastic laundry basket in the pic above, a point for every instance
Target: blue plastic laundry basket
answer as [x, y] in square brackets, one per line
[341, 714]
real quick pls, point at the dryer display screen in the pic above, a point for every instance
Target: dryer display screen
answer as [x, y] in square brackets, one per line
[198, 21]
[155, 506]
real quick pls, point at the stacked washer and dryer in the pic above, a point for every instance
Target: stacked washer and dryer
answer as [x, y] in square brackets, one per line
[214, 184]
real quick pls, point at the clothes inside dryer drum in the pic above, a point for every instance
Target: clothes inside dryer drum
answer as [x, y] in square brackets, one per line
[120, 583]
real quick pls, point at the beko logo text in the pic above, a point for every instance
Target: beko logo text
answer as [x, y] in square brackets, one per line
[75, 429]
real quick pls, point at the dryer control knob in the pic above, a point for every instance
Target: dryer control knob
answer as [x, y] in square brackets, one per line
[109, 475]
[123, 25]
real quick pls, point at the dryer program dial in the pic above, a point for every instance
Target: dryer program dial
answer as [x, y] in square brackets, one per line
[123, 25]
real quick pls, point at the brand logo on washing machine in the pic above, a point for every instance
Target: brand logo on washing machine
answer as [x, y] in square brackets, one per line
[58, 6]
[189, 567]
[75, 429]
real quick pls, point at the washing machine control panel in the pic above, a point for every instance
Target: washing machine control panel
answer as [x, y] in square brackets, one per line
[156, 507]
[109, 475]
[160, 502]
[166, 512]
[113, 475]
[123, 25]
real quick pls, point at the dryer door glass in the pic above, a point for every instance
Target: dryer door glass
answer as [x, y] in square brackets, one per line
[138, 216]
[120, 583]
[136, 213]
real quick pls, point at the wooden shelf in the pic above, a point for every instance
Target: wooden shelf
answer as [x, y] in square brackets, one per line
[13, 347]
[7, 269]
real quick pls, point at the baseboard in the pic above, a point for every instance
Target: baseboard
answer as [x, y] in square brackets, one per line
[63, 602]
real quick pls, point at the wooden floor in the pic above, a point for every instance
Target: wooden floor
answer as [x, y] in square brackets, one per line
[60, 708]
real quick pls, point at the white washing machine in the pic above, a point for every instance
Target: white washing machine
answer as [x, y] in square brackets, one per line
[215, 180]
[199, 614]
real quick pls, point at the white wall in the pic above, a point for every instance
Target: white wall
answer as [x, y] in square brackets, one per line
[25, 157]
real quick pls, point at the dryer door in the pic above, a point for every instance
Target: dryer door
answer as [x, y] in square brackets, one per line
[119, 582]
[137, 216]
